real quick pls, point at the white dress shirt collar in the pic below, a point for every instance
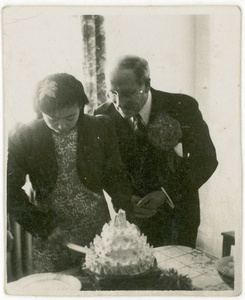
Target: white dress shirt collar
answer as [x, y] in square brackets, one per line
[146, 110]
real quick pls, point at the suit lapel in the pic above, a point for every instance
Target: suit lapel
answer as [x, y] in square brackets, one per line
[82, 146]
[45, 156]
[88, 163]
[123, 125]
[159, 105]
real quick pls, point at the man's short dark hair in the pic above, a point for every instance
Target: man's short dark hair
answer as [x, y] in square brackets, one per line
[139, 66]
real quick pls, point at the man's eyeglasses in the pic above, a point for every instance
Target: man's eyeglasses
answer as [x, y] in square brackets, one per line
[113, 95]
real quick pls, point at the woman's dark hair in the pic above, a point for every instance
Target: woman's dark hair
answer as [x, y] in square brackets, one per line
[58, 91]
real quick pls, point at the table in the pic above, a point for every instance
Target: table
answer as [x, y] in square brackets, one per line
[196, 264]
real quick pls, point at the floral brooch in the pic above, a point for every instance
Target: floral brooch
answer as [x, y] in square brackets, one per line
[164, 132]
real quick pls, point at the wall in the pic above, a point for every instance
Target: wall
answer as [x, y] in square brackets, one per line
[37, 42]
[197, 55]
[218, 91]
[165, 42]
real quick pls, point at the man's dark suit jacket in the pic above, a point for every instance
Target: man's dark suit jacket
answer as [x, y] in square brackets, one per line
[149, 170]
[31, 151]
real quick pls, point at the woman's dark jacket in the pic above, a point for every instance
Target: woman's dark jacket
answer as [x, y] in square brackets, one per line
[31, 152]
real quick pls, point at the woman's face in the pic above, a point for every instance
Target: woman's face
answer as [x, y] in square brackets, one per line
[63, 120]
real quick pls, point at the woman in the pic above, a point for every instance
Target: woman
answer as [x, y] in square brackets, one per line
[70, 158]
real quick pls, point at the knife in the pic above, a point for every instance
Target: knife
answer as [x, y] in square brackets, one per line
[169, 201]
[78, 248]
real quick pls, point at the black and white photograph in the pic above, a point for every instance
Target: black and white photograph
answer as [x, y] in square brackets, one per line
[122, 150]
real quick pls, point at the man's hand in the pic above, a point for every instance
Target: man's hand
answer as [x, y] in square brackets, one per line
[140, 212]
[136, 200]
[149, 205]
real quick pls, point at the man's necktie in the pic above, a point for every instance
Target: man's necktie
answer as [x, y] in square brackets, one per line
[139, 126]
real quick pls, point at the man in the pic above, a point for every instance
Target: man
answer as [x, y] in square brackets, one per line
[166, 147]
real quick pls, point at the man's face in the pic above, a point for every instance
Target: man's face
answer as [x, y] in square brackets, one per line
[132, 95]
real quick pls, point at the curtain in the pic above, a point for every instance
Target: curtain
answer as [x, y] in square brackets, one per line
[94, 57]
[19, 258]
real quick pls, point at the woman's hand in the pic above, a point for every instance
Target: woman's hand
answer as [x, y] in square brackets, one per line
[57, 239]
[10, 241]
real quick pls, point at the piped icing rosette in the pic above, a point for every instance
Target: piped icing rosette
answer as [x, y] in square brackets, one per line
[120, 249]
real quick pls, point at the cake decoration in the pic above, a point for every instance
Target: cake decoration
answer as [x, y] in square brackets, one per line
[121, 249]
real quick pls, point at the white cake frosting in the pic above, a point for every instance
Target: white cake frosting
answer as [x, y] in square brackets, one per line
[120, 249]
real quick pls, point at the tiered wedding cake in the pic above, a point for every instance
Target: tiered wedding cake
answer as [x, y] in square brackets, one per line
[120, 250]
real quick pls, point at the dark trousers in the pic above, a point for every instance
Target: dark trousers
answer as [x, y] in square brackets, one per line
[164, 228]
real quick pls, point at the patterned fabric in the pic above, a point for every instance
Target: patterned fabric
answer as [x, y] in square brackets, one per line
[81, 213]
